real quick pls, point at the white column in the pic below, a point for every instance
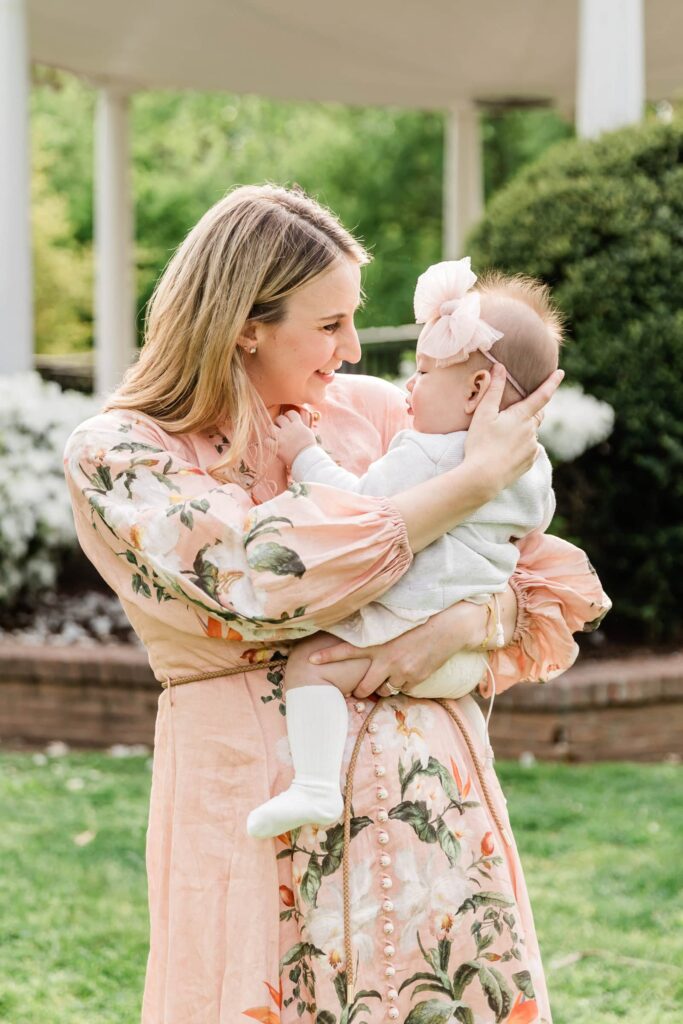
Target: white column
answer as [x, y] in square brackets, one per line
[16, 279]
[610, 88]
[114, 255]
[463, 177]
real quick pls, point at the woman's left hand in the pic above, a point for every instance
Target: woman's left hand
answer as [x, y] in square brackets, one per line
[411, 658]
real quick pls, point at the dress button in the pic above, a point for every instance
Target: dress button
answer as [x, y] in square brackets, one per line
[389, 971]
[377, 748]
[389, 949]
[383, 838]
[380, 770]
[385, 860]
[382, 793]
[388, 928]
[373, 727]
[392, 1013]
[360, 706]
[388, 906]
[392, 995]
[382, 815]
[386, 882]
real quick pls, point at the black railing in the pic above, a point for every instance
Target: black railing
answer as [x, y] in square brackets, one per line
[383, 349]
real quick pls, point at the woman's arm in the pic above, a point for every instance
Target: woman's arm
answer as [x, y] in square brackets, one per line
[500, 447]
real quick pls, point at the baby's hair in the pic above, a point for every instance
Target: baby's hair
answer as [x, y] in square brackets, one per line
[532, 326]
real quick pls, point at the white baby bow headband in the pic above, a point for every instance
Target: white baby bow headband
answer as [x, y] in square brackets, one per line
[450, 311]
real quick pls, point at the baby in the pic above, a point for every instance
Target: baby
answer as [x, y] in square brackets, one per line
[504, 320]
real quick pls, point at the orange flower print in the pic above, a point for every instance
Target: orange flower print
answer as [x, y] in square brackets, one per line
[487, 844]
[462, 789]
[136, 536]
[524, 1011]
[234, 635]
[264, 1013]
[214, 628]
[256, 654]
[287, 896]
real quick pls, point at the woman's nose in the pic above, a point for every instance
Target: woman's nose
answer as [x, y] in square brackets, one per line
[410, 383]
[349, 348]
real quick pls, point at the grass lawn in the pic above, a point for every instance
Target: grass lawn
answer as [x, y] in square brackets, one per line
[602, 847]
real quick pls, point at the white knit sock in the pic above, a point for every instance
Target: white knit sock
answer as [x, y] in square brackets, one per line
[317, 724]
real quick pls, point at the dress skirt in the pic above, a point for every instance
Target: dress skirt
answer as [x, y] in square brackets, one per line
[242, 928]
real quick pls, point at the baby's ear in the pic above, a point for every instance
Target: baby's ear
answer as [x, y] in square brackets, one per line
[477, 386]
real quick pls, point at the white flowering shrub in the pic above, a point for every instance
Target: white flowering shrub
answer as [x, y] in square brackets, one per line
[573, 421]
[36, 526]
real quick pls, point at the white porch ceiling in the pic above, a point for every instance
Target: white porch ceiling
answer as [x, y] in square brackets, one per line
[410, 53]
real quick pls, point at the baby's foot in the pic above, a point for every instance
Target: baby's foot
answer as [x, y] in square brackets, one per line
[301, 804]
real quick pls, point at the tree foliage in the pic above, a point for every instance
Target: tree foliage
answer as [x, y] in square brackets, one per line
[380, 170]
[602, 223]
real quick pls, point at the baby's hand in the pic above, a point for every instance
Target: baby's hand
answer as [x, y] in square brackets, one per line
[292, 436]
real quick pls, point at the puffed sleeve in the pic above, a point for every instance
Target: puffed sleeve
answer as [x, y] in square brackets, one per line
[558, 594]
[169, 537]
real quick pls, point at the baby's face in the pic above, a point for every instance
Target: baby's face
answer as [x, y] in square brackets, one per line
[437, 398]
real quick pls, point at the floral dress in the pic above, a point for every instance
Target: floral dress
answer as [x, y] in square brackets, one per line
[218, 579]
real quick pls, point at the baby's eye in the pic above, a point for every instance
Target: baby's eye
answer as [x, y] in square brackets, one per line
[331, 328]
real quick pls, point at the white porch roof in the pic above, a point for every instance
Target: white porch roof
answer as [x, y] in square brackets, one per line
[410, 53]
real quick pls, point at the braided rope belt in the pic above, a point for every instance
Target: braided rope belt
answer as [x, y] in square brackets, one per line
[348, 793]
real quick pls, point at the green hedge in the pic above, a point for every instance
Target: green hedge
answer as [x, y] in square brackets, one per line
[602, 223]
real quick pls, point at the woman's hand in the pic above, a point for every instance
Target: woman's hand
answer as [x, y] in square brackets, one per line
[412, 657]
[504, 444]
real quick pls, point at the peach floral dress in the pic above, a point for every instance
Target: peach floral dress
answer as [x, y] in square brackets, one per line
[216, 574]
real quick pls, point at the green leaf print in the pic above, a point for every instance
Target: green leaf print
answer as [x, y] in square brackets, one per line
[484, 899]
[464, 975]
[434, 1011]
[101, 479]
[449, 844]
[139, 585]
[415, 814]
[333, 844]
[165, 480]
[310, 883]
[274, 558]
[522, 980]
[263, 526]
[325, 1017]
[135, 446]
[298, 952]
[301, 490]
[434, 768]
[497, 991]
[186, 517]
[206, 574]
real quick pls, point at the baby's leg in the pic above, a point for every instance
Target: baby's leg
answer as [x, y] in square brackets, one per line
[345, 675]
[317, 722]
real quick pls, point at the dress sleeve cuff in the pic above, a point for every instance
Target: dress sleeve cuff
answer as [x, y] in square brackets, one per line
[558, 594]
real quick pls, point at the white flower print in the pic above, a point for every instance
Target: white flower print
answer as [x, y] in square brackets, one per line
[325, 923]
[429, 894]
[406, 726]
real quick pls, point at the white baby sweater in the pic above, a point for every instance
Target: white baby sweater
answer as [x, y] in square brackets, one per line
[470, 562]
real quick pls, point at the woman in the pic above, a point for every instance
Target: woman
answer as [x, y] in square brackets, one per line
[181, 503]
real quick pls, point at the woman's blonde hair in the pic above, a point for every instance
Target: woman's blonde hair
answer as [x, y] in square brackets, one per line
[243, 259]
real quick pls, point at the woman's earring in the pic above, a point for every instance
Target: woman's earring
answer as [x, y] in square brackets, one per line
[252, 350]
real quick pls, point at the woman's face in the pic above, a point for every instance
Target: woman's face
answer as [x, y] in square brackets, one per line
[296, 359]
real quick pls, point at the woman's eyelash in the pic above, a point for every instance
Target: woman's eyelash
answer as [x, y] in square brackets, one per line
[331, 327]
